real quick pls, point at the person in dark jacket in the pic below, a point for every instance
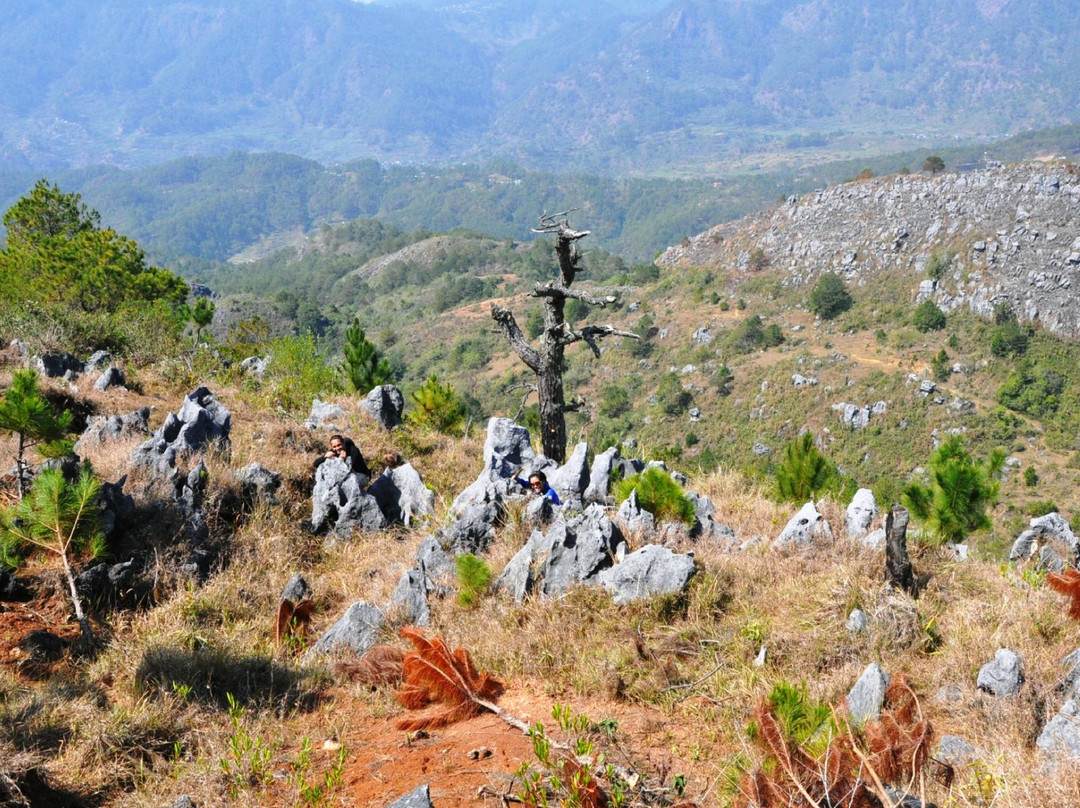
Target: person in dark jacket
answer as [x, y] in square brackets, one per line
[345, 449]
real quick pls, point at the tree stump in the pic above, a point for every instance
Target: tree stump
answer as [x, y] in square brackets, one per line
[898, 569]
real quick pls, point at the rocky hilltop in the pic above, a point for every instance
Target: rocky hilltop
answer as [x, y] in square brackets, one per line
[1010, 235]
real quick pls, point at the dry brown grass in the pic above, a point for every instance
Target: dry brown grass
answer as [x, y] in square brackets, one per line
[682, 665]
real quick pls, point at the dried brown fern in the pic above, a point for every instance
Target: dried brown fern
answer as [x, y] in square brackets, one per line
[293, 620]
[1067, 583]
[432, 673]
[900, 740]
[380, 665]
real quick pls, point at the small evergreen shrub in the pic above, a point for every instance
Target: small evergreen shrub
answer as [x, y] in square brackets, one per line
[1042, 507]
[474, 577]
[438, 407]
[659, 494]
[804, 472]
[1031, 477]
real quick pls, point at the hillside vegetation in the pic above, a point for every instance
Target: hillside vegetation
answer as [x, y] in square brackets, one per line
[196, 687]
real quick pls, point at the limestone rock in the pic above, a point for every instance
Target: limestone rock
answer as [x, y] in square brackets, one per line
[803, 529]
[1003, 676]
[385, 404]
[866, 697]
[355, 631]
[651, 570]
[860, 513]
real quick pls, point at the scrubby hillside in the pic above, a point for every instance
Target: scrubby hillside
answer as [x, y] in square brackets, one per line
[695, 693]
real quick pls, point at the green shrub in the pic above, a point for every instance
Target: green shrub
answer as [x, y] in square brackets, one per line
[1041, 508]
[297, 374]
[939, 366]
[474, 577]
[671, 396]
[1031, 477]
[658, 494]
[928, 317]
[364, 369]
[960, 491]
[438, 407]
[1032, 390]
[830, 297]
[804, 472]
[614, 401]
[938, 264]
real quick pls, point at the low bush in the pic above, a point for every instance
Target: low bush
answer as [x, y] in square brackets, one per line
[659, 494]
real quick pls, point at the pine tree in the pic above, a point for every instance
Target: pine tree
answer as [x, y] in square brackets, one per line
[363, 367]
[438, 407]
[960, 491]
[58, 517]
[25, 412]
[804, 472]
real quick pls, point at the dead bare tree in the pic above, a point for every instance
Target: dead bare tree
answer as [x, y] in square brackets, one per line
[547, 360]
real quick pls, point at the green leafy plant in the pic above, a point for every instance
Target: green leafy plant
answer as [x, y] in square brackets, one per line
[954, 504]
[438, 407]
[248, 761]
[804, 471]
[830, 297]
[659, 494]
[316, 794]
[56, 517]
[928, 317]
[938, 264]
[25, 412]
[474, 576]
[201, 314]
[364, 369]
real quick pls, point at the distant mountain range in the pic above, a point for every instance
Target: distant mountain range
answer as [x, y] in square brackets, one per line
[632, 87]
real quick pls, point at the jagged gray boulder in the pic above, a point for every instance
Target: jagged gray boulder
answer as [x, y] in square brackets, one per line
[1003, 676]
[258, 483]
[115, 505]
[473, 530]
[650, 570]
[385, 404]
[420, 797]
[1060, 738]
[103, 429]
[409, 603]
[860, 513]
[635, 519]
[296, 590]
[803, 529]
[325, 415]
[111, 377]
[106, 582]
[98, 361]
[435, 563]
[1051, 538]
[355, 631]
[577, 550]
[539, 511]
[55, 365]
[875, 539]
[517, 579]
[868, 694]
[402, 495]
[202, 420]
[705, 527]
[572, 478]
[255, 366]
[507, 451]
[339, 501]
[599, 488]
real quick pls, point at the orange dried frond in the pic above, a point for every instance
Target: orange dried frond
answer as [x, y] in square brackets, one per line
[433, 673]
[293, 619]
[1067, 583]
[590, 795]
[899, 741]
[380, 665]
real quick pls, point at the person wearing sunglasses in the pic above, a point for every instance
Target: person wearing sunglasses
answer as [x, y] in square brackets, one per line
[538, 484]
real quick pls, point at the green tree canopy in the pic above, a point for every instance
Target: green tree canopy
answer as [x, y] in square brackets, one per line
[933, 164]
[25, 412]
[961, 489]
[805, 471]
[830, 297]
[56, 254]
[928, 317]
[363, 367]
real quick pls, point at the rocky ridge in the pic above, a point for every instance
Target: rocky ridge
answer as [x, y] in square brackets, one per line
[1015, 231]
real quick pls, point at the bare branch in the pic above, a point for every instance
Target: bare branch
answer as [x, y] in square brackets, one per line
[509, 327]
[560, 223]
[590, 333]
[529, 390]
[552, 289]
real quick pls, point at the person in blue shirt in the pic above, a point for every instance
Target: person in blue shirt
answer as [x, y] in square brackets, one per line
[539, 485]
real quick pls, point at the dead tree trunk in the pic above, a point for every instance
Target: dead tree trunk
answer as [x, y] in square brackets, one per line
[898, 569]
[547, 360]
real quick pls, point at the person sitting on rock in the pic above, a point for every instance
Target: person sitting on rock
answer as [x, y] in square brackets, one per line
[347, 451]
[539, 485]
